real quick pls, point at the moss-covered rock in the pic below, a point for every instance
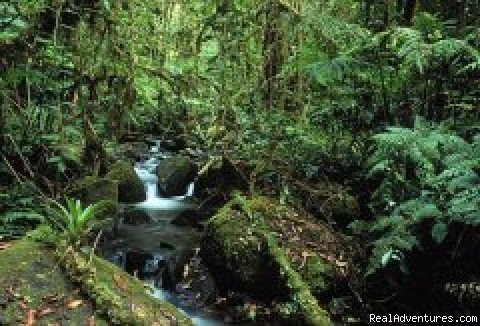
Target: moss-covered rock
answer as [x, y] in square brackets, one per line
[219, 174]
[30, 279]
[90, 190]
[242, 253]
[117, 294]
[175, 174]
[130, 187]
[81, 286]
[236, 253]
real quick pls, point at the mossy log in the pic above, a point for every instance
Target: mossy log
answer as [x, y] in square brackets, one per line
[243, 254]
[31, 280]
[117, 294]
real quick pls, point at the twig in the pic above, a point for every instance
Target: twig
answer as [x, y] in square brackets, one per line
[457, 245]
[12, 170]
[95, 244]
[21, 181]
[24, 160]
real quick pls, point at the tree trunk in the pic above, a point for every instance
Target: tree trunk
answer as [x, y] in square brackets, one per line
[272, 53]
[409, 11]
[368, 12]
[94, 153]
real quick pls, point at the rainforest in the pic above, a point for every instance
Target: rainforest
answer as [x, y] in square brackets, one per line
[239, 162]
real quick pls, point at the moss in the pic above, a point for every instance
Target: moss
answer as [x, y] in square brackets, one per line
[299, 291]
[30, 278]
[91, 190]
[232, 244]
[30, 271]
[118, 295]
[174, 174]
[317, 274]
[130, 187]
[239, 244]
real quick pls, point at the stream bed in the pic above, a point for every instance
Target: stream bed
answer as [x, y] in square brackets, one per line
[164, 256]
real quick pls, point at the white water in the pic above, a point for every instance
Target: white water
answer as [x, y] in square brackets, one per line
[158, 206]
[198, 319]
[146, 172]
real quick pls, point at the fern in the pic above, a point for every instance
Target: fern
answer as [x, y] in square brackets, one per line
[428, 174]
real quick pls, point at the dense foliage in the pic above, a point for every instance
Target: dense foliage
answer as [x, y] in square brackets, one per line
[380, 98]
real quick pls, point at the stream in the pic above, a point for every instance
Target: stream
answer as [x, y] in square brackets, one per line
[164, 256]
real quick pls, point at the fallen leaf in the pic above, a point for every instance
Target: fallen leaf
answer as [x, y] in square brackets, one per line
[44, 312]
[22, 305]
[30, 318]
[4, 245]
[51, 298]
[120, 282]
[74, 304]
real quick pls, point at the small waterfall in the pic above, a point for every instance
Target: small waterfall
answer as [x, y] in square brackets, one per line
[190, 190]
[147, 238]
[152, 191]
[146, 172]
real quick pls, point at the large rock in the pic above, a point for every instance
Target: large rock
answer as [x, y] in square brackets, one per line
[218, 179]
[130, 187]
[174, 175]
[90, 190]
[135, 261]
[243, 254]
[238, 258]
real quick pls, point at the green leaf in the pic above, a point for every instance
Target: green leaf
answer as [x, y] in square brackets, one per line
[106, 5]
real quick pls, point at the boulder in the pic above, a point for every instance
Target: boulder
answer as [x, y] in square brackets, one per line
[219, 175]
[170, 270]
[135, 217]
[173, 144]
[244, 252]
[238, 258]
[130, 187]
[174, 175]
[163, 277]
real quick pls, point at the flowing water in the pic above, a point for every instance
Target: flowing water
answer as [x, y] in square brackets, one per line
[141, 248]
